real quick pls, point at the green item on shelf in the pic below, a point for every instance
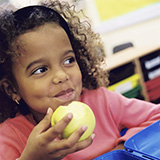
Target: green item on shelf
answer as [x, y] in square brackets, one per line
[133, 93]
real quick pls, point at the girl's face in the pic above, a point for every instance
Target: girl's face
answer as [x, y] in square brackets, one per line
[47, 72]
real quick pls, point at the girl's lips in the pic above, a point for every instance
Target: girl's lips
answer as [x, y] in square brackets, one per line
[66, 94]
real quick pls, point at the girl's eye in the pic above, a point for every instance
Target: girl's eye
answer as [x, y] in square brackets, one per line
[69, 60]
[39, 70]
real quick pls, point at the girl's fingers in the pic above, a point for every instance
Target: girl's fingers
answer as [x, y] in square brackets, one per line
[58, 128]
[77, 134]
[60, 148]
[69, 147]
[83, 144]
[49, 134]
[71, 141]
[45, 123]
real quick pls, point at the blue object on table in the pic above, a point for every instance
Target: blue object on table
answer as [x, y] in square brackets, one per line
[144, 145]
[119, 155]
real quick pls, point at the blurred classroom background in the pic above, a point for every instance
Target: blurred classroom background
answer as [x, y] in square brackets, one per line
[130, 30]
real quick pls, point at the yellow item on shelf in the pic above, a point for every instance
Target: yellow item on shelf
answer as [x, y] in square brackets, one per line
[126, 84]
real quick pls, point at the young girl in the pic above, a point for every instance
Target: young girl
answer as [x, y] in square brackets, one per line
[46, 57]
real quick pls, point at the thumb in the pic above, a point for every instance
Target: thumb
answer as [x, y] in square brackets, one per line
[45, 123]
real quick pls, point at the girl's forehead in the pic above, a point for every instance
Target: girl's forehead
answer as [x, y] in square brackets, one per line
[20, 43]
[41, 38]
[37, 35]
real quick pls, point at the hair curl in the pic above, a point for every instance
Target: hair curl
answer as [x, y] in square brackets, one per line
[86, 44]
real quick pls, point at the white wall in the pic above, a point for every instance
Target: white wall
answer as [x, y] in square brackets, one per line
[141, 35]
[142, 27]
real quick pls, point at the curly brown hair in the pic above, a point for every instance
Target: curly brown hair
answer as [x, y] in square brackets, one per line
[86, 44]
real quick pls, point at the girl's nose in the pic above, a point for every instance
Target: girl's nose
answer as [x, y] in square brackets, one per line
[60, 77]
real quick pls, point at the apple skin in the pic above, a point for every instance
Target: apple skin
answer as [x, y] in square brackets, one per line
[82, 115]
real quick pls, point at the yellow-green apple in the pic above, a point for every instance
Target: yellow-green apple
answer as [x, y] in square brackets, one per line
[82, 115]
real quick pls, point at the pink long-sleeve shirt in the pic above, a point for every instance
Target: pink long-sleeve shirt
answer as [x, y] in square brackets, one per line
[112, 111]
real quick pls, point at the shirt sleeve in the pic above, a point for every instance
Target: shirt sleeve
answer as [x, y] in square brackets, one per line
[132, 113]
[10, 145]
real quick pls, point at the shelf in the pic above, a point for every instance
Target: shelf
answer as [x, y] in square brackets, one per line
[127, 56]
[133, 55]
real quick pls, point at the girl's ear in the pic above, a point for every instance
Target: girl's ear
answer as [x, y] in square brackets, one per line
[10, 90]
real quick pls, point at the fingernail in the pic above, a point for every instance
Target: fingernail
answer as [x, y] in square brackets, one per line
[92, 136]
[84, 128]
[70, 115]
[49, 110]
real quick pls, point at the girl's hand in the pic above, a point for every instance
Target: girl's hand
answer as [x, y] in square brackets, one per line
[43, 145]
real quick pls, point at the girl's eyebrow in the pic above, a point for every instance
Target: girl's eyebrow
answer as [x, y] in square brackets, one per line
[41, 60]
[34, 62]
[69, 51]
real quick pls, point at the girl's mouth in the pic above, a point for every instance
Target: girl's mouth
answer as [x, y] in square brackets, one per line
[66, 94]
